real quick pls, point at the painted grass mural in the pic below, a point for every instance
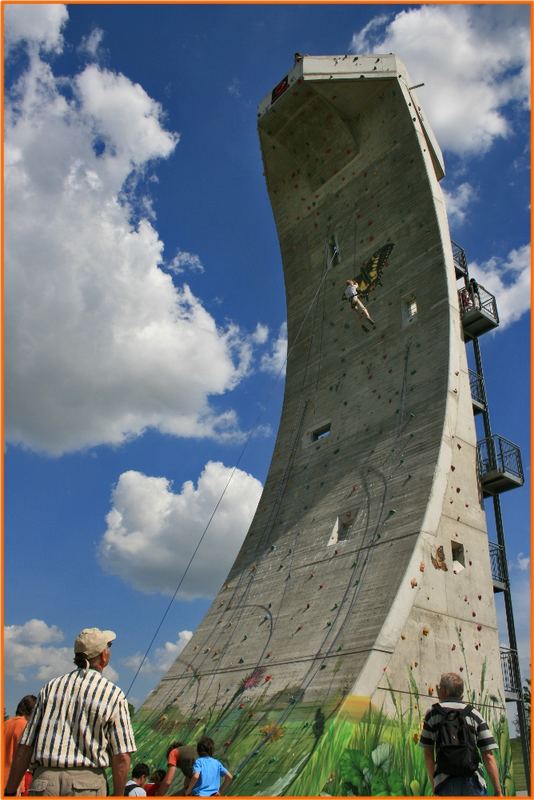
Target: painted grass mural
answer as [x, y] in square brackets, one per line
[355, 749]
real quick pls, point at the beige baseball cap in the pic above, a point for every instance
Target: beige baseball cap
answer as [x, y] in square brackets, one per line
[92, 641]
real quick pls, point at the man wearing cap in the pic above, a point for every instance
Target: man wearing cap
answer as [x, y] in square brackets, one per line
[80, 724]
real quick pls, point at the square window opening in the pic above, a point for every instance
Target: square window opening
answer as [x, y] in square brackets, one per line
[333, 251]
[342, 528]
[458, 556]
[321, 433]
[410, 309]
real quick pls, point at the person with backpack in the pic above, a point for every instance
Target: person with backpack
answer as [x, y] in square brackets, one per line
[134, 787]
[453, 738]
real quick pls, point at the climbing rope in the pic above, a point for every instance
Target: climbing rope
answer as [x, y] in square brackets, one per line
[217, 504]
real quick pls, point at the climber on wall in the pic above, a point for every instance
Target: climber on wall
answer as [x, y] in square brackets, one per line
[351, 294]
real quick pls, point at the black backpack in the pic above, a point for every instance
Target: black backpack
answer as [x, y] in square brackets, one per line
[129, 788]
[456, 747]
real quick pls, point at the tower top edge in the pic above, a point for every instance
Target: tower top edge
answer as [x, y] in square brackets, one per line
[346, 66]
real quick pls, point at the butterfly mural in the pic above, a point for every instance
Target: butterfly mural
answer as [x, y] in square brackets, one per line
[438, 561]
[371, 275]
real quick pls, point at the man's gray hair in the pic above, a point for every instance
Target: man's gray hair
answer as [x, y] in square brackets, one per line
[452, 685]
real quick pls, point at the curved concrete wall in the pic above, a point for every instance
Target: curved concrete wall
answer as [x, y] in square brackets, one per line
[345, 586]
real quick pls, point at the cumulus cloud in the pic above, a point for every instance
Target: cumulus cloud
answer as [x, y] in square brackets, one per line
[163, 659]
[101, 344]
[274, 361]
[152, 531]
[509, 280]
[458, 201]
[469, 57]
[522, 562]
[261, 334]
[38, 26]
[521, 591]
[91, 44]
[184, 260]
[30, 652]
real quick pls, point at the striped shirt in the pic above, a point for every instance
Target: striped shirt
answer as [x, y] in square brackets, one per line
[80, 720]
[474, 719]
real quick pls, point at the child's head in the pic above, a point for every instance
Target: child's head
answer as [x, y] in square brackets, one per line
[157, 776]
[205, 746]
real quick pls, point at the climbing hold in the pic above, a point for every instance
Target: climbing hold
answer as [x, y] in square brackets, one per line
[320, 586]
[425, 631]
[298, 629]
[323, 666]
[479, 627]
[413, 583]
[244, 637]
[453, 647]
[479, 597]
[403, 637]
[241, 661]
[334, 606]
[392, 511]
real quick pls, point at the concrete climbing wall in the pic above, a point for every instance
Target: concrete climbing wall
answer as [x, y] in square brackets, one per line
[365, 572]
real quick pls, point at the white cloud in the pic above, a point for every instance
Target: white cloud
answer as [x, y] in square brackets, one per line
[469, 57]
[91, 44]
[152, 531]
[101, 345]
[274, 361]
[35, 631]
[234, 88]
[261, 334]
[164, 657]
[184, 260]
[522, 562]
[36, 25]
[29, 652]
[521, 592]
[509, 280]
[458, 200]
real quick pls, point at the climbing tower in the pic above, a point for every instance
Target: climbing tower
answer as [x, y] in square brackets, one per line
[366, 570]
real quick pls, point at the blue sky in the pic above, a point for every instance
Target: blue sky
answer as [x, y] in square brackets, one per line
[145, 306]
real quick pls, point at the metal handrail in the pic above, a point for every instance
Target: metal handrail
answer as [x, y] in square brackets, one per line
[476, 297]
[477, 387]
[497, 454]
[498, 571]
[459, 257]
[510, 670]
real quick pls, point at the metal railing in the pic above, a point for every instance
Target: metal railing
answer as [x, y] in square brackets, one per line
[498, 571]
[477, 387]
[497, 454]
[459, 258]
[476, 297]
[510, 671]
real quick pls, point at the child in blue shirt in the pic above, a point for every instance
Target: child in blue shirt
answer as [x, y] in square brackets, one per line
[207, 772]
